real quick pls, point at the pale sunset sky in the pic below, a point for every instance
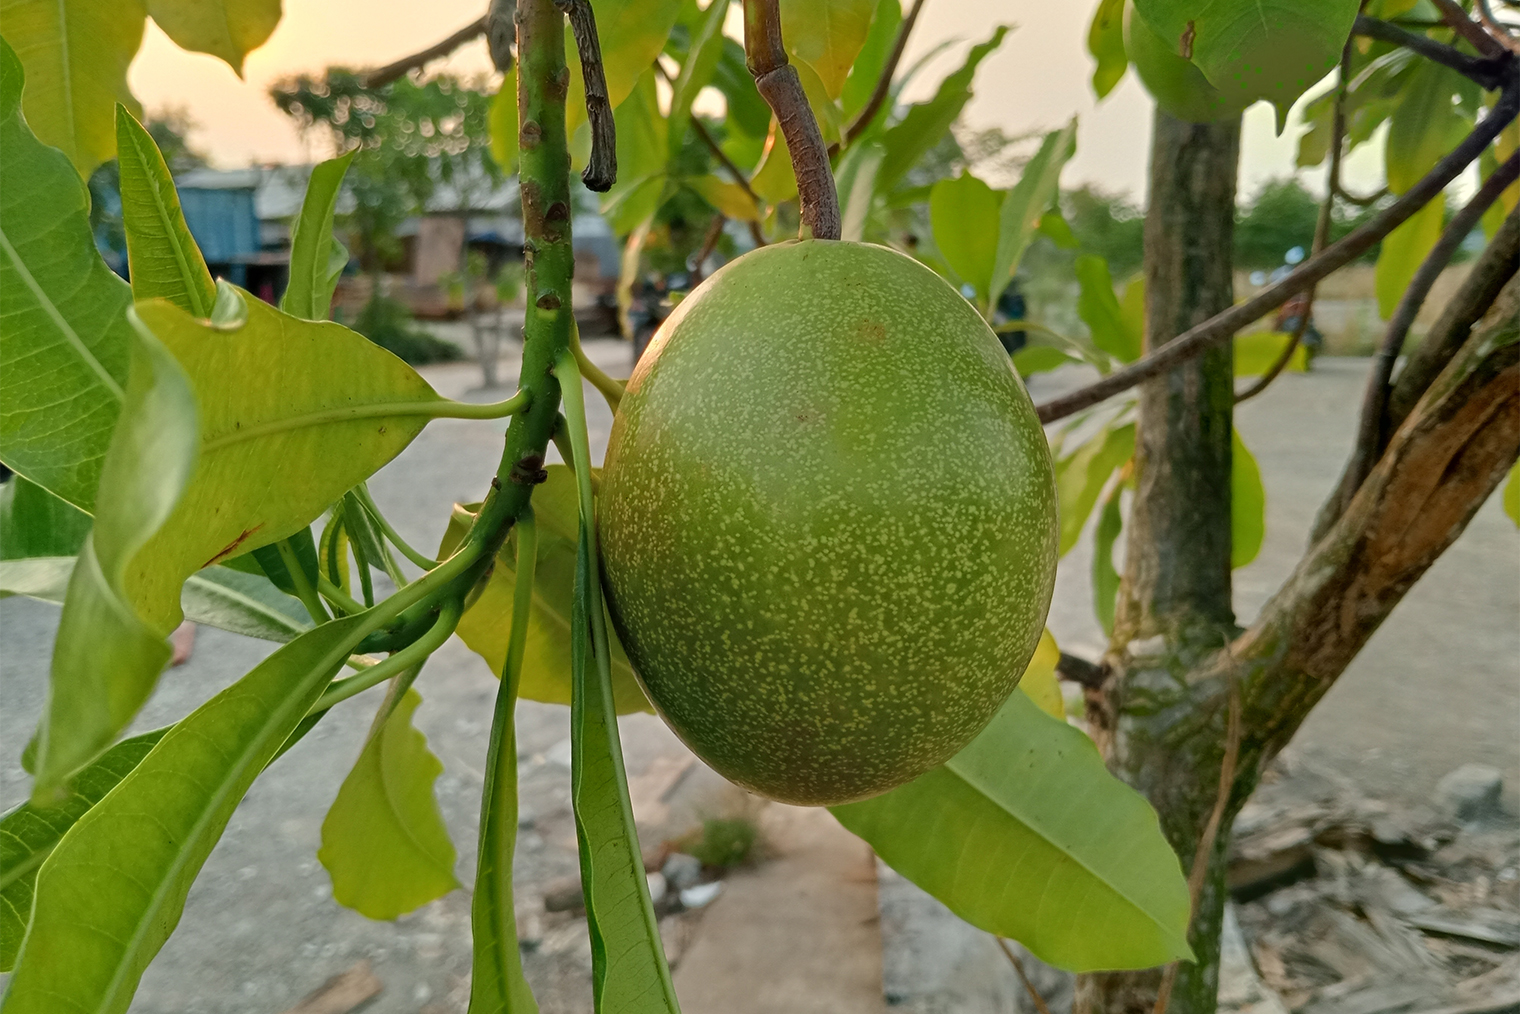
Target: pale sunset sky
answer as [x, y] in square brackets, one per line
[1037, 80]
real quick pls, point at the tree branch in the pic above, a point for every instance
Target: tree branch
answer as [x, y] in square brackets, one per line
[1223, 326]
[1441, 466]
[1359, 200]
[393, 71]
[1488, 72]
[1494, 267]
[1454, 16]
[709, 242]
[601, 169]
[778, 83]
[1496, 28]
[1321, 226]
[1372, 433]
[884, 82]
[1080, 671]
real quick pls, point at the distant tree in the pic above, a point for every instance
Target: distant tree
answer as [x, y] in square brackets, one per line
[1278, 218]
[1107, 224]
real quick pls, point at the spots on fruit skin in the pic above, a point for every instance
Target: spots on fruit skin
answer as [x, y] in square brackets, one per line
[829, 564]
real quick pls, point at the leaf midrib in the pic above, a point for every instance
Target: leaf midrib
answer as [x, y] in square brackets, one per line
[1062, 849]
[48, 307]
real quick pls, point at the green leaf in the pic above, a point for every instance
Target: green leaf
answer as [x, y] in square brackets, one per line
[1426, 125]
[1177, 84]
[1054, 227]
[185, 487]
[855, 179]
[497, 985]
[772, 179]
[165, 262]
[1026, 204]
[629, 972]
[747, 112]
[1032, 359]
[641, 157]
[827, 35]
[1112, 329]
[1257, 352]
[925, 124]
[1105, 41]
[696, 72]
[76, 54]
[1256, 49]
[1403, 252]
[1025, 834]
[64, 347]
[504, 123]
[1081, 476]
[383, 840]
[632, 34]
[218, 596]
[726, 197]
[230, 29]
[28, 835]
[1248, 504]
[1512, 495]
[964, 215]
[312, 279]
[546, 671]
[872, 60]
[114, 888]
[1105, 577]
[34, 522]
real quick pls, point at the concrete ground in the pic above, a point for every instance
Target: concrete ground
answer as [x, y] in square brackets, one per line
[1438, 686]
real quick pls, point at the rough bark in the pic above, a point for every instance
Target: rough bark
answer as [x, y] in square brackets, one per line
[1174, 606]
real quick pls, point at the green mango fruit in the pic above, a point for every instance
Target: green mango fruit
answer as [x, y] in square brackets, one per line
[828, 521]
[1177, 85]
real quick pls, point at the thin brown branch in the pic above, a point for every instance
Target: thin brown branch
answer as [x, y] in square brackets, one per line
[1487, 71]
[723, 159]
[404, 66]
[884, 82]
[1372, 434]
[1223, 326]
[1321, 227]
[601, 169]
[1359, 200]
[1458, 20]
[1497, 28]
[1492, 270]
[1206, 843]
[777, 81]
[1018, 966]
[709, 242]
[1080, 671]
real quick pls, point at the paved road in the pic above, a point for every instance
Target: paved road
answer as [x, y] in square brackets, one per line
[1438, 686]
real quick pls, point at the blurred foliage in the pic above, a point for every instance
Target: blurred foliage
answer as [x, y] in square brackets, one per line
[389, 324]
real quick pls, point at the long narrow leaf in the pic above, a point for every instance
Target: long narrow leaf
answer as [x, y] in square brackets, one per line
[165, 262]
[629, 971]
[28, 835]
[1027, 835]
[309, 294]
[1026, 204]
[114, 888]
[497, 985]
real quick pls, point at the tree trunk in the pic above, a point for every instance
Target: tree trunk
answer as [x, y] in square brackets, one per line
[1158, 731]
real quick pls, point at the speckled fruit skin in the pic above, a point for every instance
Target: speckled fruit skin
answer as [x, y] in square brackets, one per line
[828, 521]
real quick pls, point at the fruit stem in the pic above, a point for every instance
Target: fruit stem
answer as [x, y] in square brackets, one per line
[778, 83]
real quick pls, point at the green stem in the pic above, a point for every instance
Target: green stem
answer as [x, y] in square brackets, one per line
[304, 591]
[497, 971]
[610, 389]
[371, 508]
[413, 654]
[338, 597]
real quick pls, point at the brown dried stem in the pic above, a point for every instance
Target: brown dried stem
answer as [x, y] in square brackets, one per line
[777, 81]
[1459, 21]
[601, 169]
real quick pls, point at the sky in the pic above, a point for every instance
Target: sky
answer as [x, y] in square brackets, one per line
[1036, 81]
